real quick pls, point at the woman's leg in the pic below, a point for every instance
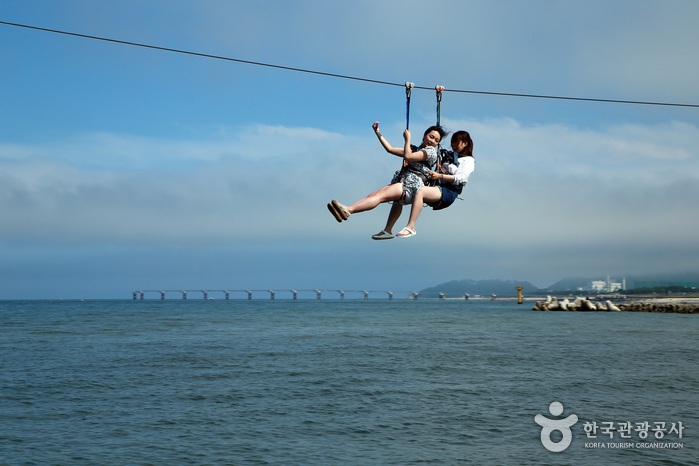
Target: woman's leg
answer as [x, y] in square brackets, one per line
[388, 193]
[428, 194]
[393, 216]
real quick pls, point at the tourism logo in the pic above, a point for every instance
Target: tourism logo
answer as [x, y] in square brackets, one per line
[620, 435]
[638, 435]
[549, 426]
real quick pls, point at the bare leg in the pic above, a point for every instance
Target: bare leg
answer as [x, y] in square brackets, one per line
[430, 194]
[393, 216]
[388, 193]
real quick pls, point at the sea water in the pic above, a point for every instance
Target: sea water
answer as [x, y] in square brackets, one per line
[342, 382]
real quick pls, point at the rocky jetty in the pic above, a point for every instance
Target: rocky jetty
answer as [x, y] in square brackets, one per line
[588, 305]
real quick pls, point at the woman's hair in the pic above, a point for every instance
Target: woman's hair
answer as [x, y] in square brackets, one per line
[437, 128]
[464, 137]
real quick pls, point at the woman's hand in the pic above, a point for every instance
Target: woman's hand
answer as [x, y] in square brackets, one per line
[376, 128]
[406, 135]
[437, 176]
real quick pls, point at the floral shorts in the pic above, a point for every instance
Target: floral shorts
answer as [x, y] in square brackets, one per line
[411, 184]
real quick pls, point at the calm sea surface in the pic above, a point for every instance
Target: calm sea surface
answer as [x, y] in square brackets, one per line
[340, 382]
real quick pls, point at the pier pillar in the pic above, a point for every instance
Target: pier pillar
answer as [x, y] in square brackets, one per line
[142, 293]
[294, 293]
[184, 295]
[205, 294]
[366, 295]
[466, 296]
[390, 294]
[249, 294]
[317, 294]
[227, 293]
[133, 294]
[162, 295]
[442, 296]
[342, 294]
[414, 294]
[271, 294]
[520, 299]
[493, 296]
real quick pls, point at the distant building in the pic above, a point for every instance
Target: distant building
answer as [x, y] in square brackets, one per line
[607, 286]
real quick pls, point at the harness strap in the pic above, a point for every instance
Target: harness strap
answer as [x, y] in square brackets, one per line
[408, 91]
[438, 166]
[439, 90]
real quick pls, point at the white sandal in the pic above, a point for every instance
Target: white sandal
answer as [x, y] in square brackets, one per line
[406, 233]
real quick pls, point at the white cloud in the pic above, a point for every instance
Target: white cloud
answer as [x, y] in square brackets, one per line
[112, 188]
[552, 184]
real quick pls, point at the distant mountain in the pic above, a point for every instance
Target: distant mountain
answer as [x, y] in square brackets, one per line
[574, 283]
[481, 287]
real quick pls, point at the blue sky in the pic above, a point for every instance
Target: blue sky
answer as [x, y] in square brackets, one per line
[126, 168]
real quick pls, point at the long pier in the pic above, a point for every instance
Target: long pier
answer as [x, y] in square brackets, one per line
[292, 294]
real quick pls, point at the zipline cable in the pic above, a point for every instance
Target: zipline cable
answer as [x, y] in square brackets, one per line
[341, 76]
[198, 54]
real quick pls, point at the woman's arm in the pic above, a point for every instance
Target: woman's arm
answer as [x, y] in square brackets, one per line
[461, 174]
[442, 176]
[384, 142]
[408, 153]
[467, 165]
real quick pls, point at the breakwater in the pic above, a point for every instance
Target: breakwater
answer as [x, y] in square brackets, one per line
[588, 305]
